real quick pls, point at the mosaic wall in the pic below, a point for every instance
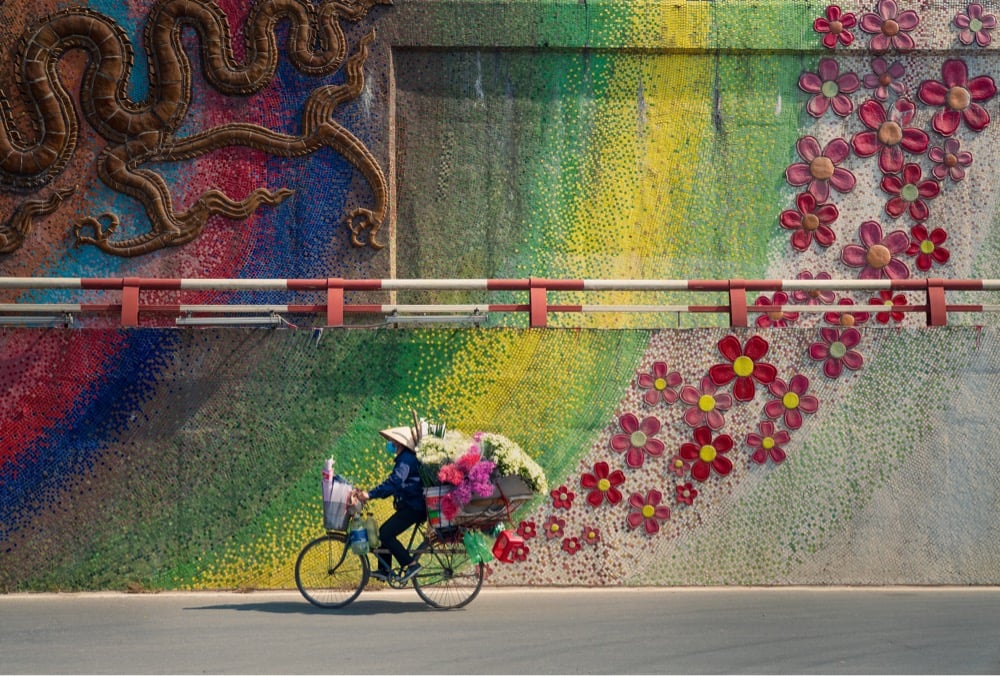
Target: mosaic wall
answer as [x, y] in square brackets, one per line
[429, 138]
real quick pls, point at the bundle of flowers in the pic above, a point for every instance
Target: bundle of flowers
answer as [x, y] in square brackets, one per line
[511, 460]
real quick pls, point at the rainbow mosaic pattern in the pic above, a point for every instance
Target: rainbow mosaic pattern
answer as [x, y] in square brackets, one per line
[600, 140]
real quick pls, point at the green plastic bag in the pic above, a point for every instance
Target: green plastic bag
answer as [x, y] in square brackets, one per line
[477, 546]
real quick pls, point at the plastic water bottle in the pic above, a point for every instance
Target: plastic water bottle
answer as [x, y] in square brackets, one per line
[328, 480]
[357, 536]
[372, 529]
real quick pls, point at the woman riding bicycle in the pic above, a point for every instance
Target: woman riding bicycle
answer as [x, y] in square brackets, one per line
[406, 488]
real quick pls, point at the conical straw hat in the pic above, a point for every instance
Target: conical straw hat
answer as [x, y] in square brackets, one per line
[401, 435]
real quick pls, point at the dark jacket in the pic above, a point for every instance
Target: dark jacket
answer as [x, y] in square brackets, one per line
[403, 484]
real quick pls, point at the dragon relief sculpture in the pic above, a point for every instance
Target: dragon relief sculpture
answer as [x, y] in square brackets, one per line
[138, 133]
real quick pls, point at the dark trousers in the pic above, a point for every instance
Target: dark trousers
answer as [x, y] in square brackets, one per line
[402, 519]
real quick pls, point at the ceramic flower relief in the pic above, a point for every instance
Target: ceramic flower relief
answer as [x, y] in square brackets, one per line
[590, 535]
[603, 484]
[927, 246]
[950, 161]
[891, 302]
[813, 296]
[744, 365]
[792, 401]
[890, 27]
[876, 255]
[768, 443]
[660, 384]
[647, 511]
[810, 221]
[909, 191]
[889, 134]
[708, 454]
[885, 77]
[686, 493]
[829, 89]
[820, 170]
[959, 97]
[774, 318]
[554, 527]
[844, 318]
[706, 405]
[636, 439]
[836, 350]
[835, 27]
[678, 466]
[975, 25]
[562, 498]
[526, 529]
[571, 545]
[519, 553]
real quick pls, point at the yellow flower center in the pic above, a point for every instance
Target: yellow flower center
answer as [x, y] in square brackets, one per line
[678, 463]
[767, 443]
[790, 400]
[847, 319]
[648, 511]
[927, 247]
[743, 366]
[660, 384]
[554, 528]
[603, 485]
[707, 453]
[706, 402]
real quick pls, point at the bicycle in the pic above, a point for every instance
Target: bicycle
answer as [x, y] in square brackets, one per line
[330, 575]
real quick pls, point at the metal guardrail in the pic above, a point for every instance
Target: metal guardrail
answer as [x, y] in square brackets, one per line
[129, 306]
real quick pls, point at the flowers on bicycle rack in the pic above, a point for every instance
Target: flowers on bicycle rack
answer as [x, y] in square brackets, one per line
[470, 475]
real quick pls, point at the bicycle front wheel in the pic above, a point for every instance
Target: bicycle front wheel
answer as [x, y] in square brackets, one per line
[448, 578]
[328, 573]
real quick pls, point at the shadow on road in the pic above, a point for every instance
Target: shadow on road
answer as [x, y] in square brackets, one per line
[358, 608]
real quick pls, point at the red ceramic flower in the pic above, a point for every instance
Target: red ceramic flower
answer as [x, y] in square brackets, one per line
[975, 25]
[591, 535]
[647, 511]
[910, 191]
[660, 384]
[774, 318]
[890, 27]
[813, 296]
[562, 497]
[820, 170]
[835, 27]
[949, 160]
[829, 89]
[885, 77]
[792, 401]
[686, 493]
[745, 366]
[886, 298]
[554, 527]
[876, 255]
[706, 405]
[959, 96]
[836, 351]
[571, 545]
[708, 454]
[678, 466]
[927, 247]
[526, 529]
[636, 439]
[519, 553]
[846, 318]
[768, 443]
[603, 484]
[810, 220]
[889, 134]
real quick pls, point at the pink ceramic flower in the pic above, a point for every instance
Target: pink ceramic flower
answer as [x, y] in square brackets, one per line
[562, 497]
[678, 466]
[744, 365]
[707, 454]
[886, 298]
[949, 160]
[792, 401]
[554, 527]
[591, 535]
[835, 27]
[686, 493]
[647, 511]
[890, 27]
[526, 529]
[813, 296]
[660, 384]
[571, 545]
[959, 97]
[975, 25]
[820, 170]
[846, 318]
[636, 439]
[775, 318]
[927, 246]
[885, 78]
[829, 89]
[836, 351]
[909, 192]
[768, 443]
[810, 220]
[876, 255]
[706, 406]
[889, 134]
[603, 484]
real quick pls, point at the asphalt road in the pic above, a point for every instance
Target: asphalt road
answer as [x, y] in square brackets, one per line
[506, 631]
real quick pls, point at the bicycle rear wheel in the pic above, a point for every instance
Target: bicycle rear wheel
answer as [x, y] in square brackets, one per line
[328, 573]
[448, 578]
